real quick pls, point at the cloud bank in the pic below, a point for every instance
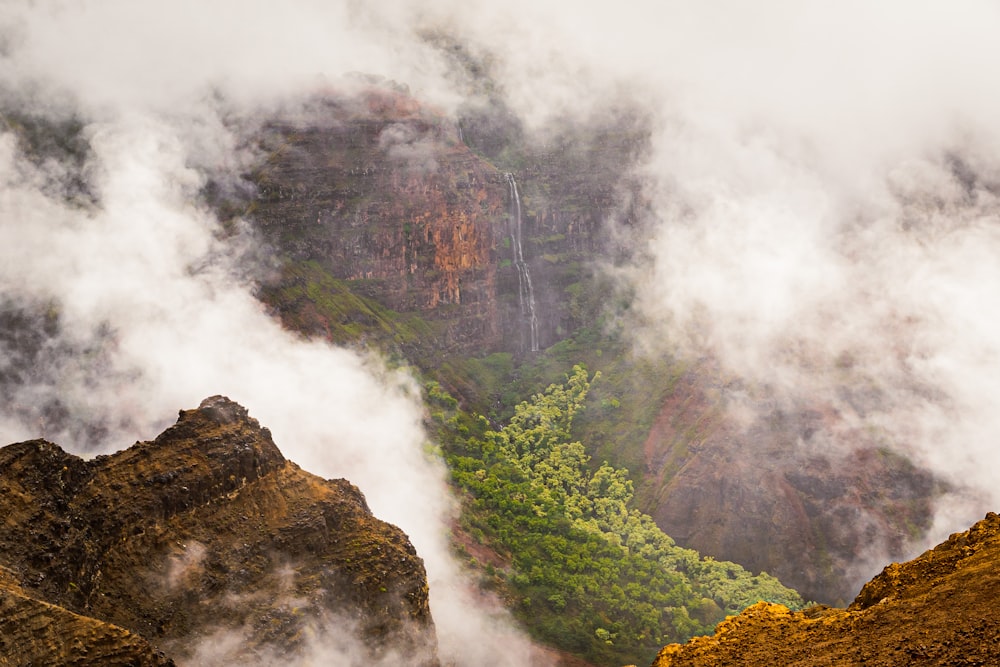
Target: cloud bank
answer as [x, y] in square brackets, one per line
[823, 183]
[827, 194]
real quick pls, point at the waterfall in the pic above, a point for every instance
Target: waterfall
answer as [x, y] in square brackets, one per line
[526, 292]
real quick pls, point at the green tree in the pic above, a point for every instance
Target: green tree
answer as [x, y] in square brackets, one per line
[578, 550]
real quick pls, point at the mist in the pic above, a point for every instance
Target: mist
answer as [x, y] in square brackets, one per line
[822, 185]
[822, 181]
[827, 196]
[147, 299]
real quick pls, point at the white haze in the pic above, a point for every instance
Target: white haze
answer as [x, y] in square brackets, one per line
[143, 271]
[824, 180]
[802, 175]
[820, 227]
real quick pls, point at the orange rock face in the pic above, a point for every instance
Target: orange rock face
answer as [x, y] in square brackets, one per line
[388, 196]
[938, 609]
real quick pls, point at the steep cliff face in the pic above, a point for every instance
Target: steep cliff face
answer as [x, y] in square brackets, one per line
[385, 195]
[393, 228]
[379, 191]
[207, 530]
[762, 484]
[938, 609]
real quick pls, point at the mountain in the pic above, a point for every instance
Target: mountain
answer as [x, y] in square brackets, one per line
[389, 224]
[937, 609]
[204, 543]
[395, 227]
[379, 191]
[458, 246]
[766, 254]
[771, 493]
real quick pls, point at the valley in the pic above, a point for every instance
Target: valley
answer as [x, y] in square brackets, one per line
[531, 338]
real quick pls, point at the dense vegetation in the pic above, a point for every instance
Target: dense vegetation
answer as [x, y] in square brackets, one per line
[587, 573]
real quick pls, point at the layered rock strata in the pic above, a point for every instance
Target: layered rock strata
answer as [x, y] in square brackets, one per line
[205, 530]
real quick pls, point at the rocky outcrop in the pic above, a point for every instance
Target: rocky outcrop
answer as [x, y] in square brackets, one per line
[206, 529]
[938, 609]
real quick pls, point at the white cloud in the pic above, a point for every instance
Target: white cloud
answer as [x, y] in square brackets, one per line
[142, 283]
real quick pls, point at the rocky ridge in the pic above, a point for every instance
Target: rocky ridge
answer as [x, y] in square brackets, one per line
[205, 530]
[35, 632]
[937, 609]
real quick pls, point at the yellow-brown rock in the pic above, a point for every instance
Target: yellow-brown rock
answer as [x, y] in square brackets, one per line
[205, 529]
[33, 632]
[938, 609]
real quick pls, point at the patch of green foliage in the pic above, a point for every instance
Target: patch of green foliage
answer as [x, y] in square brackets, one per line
[309, 299]
[620, 409]
[590, 575]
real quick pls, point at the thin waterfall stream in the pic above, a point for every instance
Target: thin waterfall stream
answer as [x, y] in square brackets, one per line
[526, 293]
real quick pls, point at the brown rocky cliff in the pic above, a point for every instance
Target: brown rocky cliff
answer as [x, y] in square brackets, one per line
[768, 492]
[208, 528]
[383, 192]
[379, 190]
[938, 609]
[33, 632]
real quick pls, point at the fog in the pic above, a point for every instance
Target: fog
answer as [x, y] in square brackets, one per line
[828, 205]
[822, 178]
[148, 292]
[823, 183]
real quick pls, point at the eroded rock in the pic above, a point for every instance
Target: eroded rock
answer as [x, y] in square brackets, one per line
[937, 609]
[205, 530]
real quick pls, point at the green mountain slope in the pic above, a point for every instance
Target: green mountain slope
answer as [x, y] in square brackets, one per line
[586, 573]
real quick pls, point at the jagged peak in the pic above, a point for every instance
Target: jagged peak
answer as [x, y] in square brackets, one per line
[224, 410]
[223, 430]
[208, 511]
